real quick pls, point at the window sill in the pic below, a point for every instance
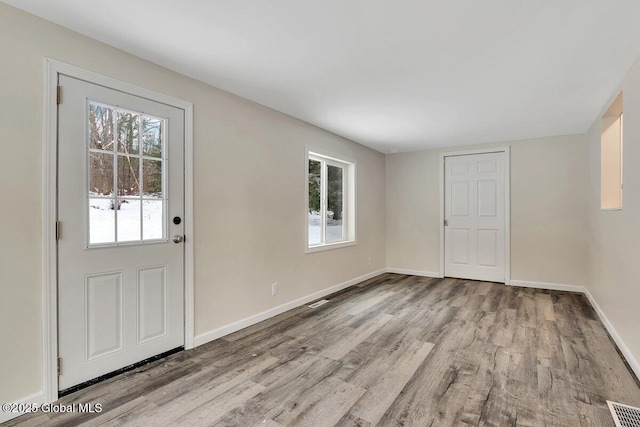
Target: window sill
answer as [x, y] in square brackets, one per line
[329, 246]
[610, 209]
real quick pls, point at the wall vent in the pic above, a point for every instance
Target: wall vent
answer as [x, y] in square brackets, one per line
[624, 415]
[324, 301]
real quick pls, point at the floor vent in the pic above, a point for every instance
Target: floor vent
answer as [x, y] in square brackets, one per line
[324, 301]
[624, 415]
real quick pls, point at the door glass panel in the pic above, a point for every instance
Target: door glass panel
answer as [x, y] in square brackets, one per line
[152, 178]
[335, 203]
[129, 220]
[313, 216]
[136, 211]
[100, 127]
[152, 219]
[128, 176]
[102, 221]
[151, 137]
[128, 130]
[100, 174]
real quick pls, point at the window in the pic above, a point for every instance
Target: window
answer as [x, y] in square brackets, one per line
[611, 157]
[330, 202]
[126, 196]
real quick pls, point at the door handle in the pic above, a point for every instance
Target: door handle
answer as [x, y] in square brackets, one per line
[177, 238]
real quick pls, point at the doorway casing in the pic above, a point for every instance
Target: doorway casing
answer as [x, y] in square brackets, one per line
[51, 70]
[507, 199]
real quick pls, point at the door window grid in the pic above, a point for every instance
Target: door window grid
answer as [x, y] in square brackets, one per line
[126, 194]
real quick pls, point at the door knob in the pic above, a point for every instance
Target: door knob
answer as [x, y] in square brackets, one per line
[177, 238]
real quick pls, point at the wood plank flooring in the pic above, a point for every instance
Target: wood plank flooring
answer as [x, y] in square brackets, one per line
[395, 350]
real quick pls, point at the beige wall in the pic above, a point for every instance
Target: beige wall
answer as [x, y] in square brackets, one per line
[249, 195]
[548, 221]
[614, 236]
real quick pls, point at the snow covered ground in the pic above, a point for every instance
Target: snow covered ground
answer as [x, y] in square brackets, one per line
[102, 220]
[334, 228]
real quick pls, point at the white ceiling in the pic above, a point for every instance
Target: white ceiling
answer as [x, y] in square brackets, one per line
[395, 75]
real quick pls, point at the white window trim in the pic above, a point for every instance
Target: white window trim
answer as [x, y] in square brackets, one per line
[349, 204]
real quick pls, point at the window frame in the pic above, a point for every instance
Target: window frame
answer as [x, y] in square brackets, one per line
[116, 153]
[348, 200]
[615, 111]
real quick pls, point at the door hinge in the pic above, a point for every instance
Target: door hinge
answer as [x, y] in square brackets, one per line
[59, 366]
[446, 222]
[58, 230]
[59, 95]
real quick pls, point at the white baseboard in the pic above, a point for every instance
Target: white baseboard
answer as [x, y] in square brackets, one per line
[635, 366]
[550, 286]
[36, 398]
[413, 272]
[256, 318]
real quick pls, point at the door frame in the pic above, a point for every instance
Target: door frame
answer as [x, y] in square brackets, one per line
[507, 200]
[52, 69]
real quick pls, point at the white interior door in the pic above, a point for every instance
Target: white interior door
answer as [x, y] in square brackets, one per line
[475, 216]
[120, 203]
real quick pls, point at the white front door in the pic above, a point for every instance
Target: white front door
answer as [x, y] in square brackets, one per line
[474, 206]
[120, 203]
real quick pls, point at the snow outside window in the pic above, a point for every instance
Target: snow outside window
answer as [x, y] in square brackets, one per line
[330, 202]
[126, 195]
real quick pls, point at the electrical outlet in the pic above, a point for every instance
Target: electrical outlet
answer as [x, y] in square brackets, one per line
[274, 289]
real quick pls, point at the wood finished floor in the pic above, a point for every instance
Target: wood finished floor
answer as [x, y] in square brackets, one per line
[395, 350]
